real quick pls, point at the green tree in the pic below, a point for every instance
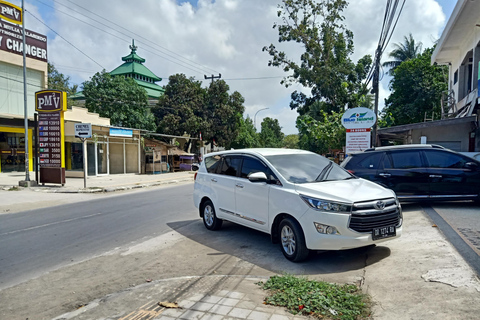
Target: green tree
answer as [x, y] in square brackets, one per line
[321, 136]
[291, 141]
[403, 52]
[188, 108]
[247, 135]
[271, 135]
[416, 88]
[181, 108]
[58, 81]
[225, 113]
[325, 67]
[120, 99]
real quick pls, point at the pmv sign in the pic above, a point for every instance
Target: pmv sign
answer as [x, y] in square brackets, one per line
[50, 101]
[11, 12]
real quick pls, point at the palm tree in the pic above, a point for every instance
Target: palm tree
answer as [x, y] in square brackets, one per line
[403, 52]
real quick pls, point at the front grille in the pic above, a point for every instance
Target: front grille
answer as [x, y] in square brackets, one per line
[365, 216]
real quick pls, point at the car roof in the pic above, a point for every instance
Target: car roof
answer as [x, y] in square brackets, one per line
[403, 146]
[261, 151]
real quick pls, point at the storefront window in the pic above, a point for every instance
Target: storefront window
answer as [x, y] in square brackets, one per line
[12, 151]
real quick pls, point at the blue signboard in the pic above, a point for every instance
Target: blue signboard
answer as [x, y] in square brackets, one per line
[118, 132]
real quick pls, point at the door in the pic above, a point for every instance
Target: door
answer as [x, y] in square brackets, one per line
[449, 176]
[404, 172]
[252, 198]
[223, 185]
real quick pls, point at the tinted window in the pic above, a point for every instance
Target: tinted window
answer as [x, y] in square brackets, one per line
[406, 159]
[371, 161]
[310, 167]
[211, 163]
[230, 166]
[438, 159]
[251, 165]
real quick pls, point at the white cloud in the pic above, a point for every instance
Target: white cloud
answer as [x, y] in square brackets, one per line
[222, 36]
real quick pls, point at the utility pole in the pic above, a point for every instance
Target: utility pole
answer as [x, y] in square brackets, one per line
[376, 73]
[213, 77]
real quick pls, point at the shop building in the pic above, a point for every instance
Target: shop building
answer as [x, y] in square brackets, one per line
[12, 127]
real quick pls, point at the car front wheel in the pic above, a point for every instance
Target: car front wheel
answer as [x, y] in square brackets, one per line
[210, 219]
[292, 240]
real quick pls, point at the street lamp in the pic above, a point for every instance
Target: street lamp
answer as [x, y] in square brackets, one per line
[255, 117]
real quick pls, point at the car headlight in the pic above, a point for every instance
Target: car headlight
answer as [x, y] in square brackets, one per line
[327, 206]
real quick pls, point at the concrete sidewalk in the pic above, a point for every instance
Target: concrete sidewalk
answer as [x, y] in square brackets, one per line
[113, 182]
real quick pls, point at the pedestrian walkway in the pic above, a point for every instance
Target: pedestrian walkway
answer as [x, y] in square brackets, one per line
[108, 183]
[189, 298]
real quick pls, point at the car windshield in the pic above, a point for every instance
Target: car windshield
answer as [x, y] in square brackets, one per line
[307, 167]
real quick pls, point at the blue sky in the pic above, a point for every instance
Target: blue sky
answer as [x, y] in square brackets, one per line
[204, 37]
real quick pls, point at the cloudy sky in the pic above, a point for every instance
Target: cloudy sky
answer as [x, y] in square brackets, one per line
[208, 37]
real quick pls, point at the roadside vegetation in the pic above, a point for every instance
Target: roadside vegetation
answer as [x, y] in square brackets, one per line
[317, 298]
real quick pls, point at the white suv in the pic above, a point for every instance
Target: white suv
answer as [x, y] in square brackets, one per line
[303, 200]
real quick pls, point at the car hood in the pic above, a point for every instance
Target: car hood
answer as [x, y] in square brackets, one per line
[352, 190]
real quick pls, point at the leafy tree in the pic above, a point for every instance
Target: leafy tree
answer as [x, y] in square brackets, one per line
[181, 108]
[247, 135]
[403, 52]
[291, 141]
[271, 135]
[120, 99]
[58, 81]
[188, 108]
[416, 88]
[224, 111]
[325, 67]
[321, 136]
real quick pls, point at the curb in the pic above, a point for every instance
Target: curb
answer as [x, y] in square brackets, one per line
[101, 189]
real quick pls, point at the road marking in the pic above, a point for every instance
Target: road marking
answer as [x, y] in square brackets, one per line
[50, 224]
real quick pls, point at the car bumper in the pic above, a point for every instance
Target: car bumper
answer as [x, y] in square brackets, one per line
[346, 237]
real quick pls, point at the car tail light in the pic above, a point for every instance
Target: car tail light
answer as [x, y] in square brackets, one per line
[195, 176]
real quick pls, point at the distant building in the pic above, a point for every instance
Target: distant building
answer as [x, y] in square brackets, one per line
[133, 68]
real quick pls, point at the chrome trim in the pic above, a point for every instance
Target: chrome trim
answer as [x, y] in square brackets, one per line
[243, 217]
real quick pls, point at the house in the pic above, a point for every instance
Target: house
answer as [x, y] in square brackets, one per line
[459, 49]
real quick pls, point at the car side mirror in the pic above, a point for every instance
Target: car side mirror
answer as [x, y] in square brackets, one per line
[257, 177]
[471, 166]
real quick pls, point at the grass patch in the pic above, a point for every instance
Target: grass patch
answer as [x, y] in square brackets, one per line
[317, 298]
[14, 188]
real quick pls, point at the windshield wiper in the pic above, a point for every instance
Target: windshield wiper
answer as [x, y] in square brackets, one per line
[324, 173]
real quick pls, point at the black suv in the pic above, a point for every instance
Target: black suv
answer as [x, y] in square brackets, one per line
[419, 172]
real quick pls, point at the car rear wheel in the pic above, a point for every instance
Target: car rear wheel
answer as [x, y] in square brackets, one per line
[210, 219]
[292, 240]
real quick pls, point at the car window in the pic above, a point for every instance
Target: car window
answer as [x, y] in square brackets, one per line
[211, 163]
[371, 161]
[230, 166]
[251, 165]
[438, 159]
[307, 167]
[406, 159]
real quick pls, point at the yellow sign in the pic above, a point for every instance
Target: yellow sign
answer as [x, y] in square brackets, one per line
[11, 12]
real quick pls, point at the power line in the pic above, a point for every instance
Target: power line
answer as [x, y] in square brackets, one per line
[65, 40]
[180, 63]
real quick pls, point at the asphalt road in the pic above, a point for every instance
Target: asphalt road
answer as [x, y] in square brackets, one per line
[38, 241]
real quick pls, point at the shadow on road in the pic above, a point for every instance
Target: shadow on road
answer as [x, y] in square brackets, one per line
[255, 247]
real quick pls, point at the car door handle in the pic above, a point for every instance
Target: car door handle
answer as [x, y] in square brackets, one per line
[213, 180]
[238, 185]
[435, 176]
[385, 175]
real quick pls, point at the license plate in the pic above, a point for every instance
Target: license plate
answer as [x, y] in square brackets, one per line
[384, 232]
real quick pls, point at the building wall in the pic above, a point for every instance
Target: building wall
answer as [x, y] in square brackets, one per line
[453, 137]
